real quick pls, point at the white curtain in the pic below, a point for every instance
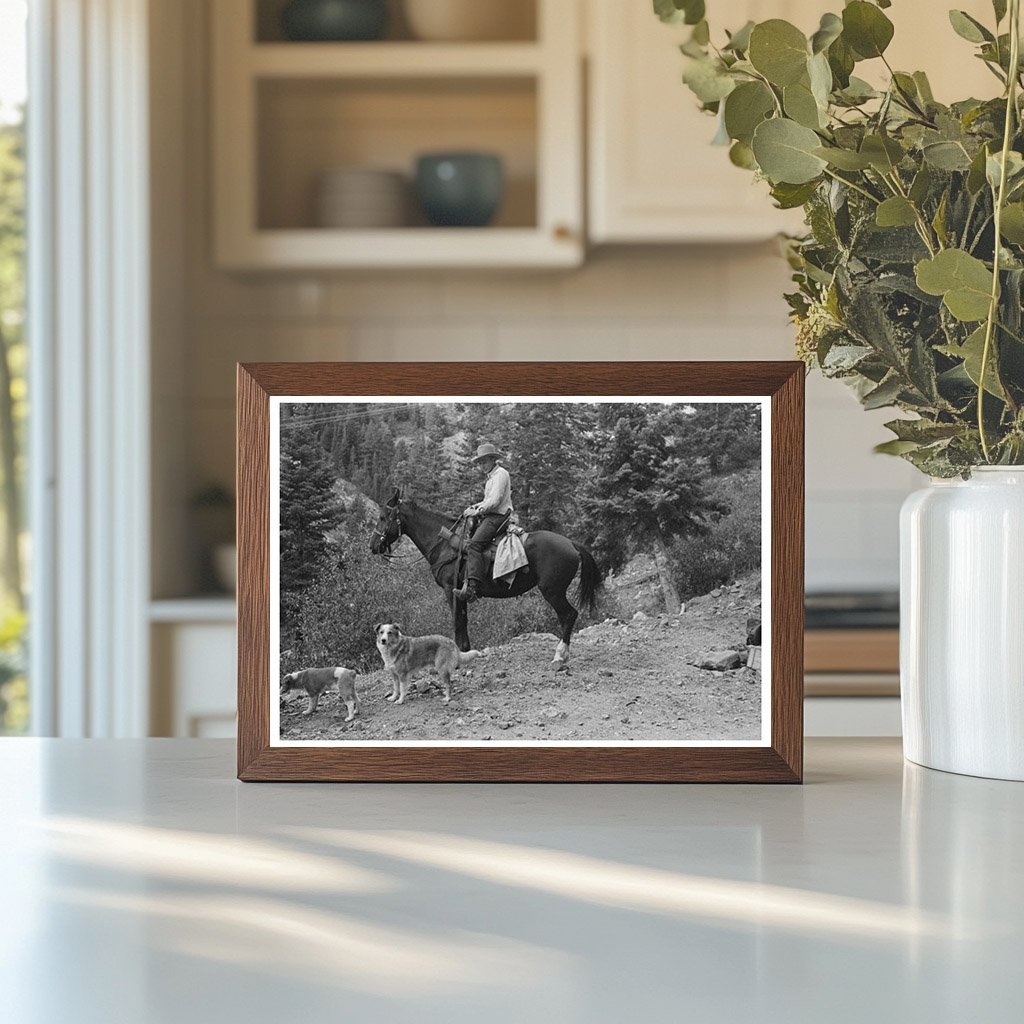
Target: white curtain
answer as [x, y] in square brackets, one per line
[88, 319]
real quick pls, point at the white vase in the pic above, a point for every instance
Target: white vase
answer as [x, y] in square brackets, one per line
[962, 624]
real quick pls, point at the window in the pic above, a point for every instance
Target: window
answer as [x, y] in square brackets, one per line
[14, 550]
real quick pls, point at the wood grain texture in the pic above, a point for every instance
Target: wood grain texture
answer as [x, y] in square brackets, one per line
[781, 762]
[852, 650]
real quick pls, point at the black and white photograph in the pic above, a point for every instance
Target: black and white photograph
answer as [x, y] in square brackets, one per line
[470, 571]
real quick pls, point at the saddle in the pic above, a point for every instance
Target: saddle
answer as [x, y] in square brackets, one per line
[513, 554]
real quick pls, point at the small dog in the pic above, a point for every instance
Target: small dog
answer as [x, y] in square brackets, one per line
[316, 680]
[403, 655]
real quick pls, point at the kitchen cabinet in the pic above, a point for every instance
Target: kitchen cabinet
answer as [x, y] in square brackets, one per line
[287, 113]
[193, 666]
[653, 175]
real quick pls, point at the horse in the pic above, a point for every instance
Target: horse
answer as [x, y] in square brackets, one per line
[554, 561]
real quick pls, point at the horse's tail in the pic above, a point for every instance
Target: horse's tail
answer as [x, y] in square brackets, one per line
[590, 578]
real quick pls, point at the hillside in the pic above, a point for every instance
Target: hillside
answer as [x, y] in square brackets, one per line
[634, 680]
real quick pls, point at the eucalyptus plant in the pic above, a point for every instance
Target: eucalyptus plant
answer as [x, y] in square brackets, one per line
[909, 280]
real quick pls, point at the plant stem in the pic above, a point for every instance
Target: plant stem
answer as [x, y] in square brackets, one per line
[922, 225]
[993, 309]
[853, 185]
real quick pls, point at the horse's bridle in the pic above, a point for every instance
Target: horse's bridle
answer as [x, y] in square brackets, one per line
[393, 519]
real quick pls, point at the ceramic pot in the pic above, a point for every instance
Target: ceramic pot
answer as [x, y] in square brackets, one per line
[962, 624]
[460, 189]
[334, 20]
[361, 198]
[471, 20]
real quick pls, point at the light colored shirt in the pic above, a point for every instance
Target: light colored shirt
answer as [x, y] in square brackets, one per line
[497, 492]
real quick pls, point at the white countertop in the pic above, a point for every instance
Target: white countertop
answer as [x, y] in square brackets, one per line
[143, 885]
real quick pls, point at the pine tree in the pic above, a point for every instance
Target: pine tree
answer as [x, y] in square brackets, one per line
[646, 490]
[309, 511]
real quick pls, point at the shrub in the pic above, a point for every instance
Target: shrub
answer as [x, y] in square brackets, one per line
[731, 548]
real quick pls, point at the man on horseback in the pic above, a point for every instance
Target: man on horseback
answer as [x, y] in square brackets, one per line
[490, 515]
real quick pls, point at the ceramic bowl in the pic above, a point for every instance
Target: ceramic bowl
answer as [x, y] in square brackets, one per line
[334, 20]
[359, 197]
[460, 189]
[471, 20]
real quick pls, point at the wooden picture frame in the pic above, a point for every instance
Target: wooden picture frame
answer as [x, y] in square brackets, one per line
[778, 757]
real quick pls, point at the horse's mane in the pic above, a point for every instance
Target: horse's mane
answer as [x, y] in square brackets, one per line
[428, 513]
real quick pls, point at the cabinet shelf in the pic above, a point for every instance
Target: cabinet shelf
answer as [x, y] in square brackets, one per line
[286, 114]
[310, 248]
[392, 60]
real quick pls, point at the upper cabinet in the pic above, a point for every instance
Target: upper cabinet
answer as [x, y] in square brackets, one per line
[653, 174]
[316, 144]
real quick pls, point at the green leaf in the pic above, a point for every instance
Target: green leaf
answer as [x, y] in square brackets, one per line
[885, 394]
[667, 11]
[707, 80]
[923, 431]
[745, 108]
[939, 220]
[858, 91]
[778, 50]
[701, 33]
[800, 105]
[946, 156]
[742, 155]
[906, 88]
[963, 281]
[844, 159]
[1012, 223]
[968, 28]
[883, 153]
[1014, 169]
[841, 60]
[820, 76]
[971, 352]
[896, 212]
[924, 88]
[829, 30]
[921, 185]
[785, 152]
[895, 447]
[694, 11]
[676, 12]
[789, 197]
[866, 29]
[976, 174]
[739, 41]
[999, 7]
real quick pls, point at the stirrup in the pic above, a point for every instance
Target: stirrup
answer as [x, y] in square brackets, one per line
[467, 592]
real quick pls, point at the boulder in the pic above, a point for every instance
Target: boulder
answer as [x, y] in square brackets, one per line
[719, 661]
[640, 616]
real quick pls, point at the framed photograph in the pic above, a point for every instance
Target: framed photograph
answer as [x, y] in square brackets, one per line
[550, 572]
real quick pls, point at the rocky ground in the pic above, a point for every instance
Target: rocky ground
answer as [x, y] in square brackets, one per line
[636, 680]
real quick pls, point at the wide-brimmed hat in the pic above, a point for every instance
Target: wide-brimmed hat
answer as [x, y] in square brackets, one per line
[486, 451]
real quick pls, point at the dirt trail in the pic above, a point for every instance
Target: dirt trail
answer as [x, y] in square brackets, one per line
[632, 680]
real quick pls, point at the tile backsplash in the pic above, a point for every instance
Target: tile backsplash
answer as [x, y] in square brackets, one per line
[719, 302]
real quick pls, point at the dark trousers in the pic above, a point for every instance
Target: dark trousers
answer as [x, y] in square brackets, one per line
[487, 525]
